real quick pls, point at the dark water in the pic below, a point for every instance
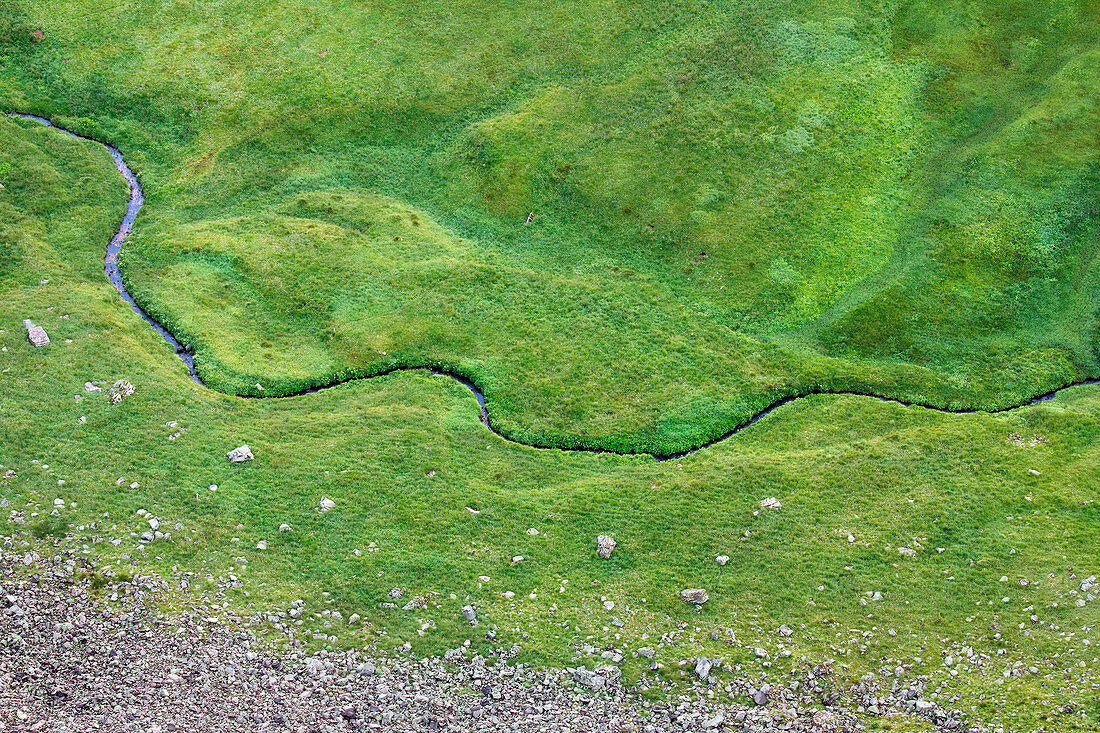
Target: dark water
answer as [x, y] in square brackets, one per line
[137, 198]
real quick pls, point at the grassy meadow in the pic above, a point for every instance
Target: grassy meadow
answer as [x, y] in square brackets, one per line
[732, 202]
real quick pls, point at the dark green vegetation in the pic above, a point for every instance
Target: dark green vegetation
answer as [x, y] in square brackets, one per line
[893, 198]
[733, 201]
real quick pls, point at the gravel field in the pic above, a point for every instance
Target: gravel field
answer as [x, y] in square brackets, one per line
[72, 662]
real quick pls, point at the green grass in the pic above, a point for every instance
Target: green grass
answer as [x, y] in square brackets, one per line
[898, 199]
[403, 456]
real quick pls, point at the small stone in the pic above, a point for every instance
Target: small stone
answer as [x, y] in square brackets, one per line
[154, 524]
[469, 614]
[785, 630]
[213, 487]
[647, 651]
[353, 619]
[146, 536]
[907, 551]
[90, 387]
[722, 559]
[609, 605]
[517, 559]
[605, 545]
[365, 668]
[284, 527]
[240, 454]
[396, 593]
[760, 697]
[697, 596]
[261, 545]
[716, 722]
[119, 390]
[59, 503]
[770, 503]
[327, 504]
[36, 334]
[702, 668]
[532, 531]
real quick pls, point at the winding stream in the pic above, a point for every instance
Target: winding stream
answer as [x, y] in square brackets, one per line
[137, 198]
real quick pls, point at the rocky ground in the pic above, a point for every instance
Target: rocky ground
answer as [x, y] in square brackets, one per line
[70, 661]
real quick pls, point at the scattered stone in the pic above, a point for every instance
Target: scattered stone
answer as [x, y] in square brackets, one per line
[703, 667]
[396, 593]
[716, 722]
[154, 524]
[239, 455]
[36, 334]
[647, 651]
[722, 559]
[284, 527]
[785, 630]
[119, 390]
[697, 596]
[605, 545]
[90, 387]
[907, 551]
[59, 503]
[327, 504]
[517, 559]
[469, 614]
[770, 503]
[532, 531]
[760, 697]
[261, 545]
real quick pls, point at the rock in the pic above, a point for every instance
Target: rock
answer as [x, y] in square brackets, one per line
[146, 536]
[716, 722]
[239, 455]
[119, 390]
[907, 551]
[261, 545]
[532, 531]
[785, 630]
[353, 619]
[722, 559]
[327, 504]
[588, 678]
[609, 605]
[36, 334]
[647, 651]
[702, 668]
[605, 545]
[284, 527]
[59, 503]
[517, 559]
[89, 387]
[697, 596]
[876, 596]
[154, 524]
[770, 503]
[760, 697]
[366, 669]
[469, 614]
[760, 652]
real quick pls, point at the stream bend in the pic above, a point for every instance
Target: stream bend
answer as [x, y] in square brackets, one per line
[137, 199]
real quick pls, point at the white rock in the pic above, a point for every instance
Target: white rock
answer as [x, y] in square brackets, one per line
[516, 559]
[696, 596]
[89, 387]
[284, 527]
[119, 390]
[327, 504]
[213, 487]
[261, 545]
[907, 551]
[770, 503]
[722, 559]
[605, 545]
[608, 605]
[135, 485]
[36, 334]
[154, 524]
[353, 619]
[239, 455]
[532, 531]
[59, 503]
